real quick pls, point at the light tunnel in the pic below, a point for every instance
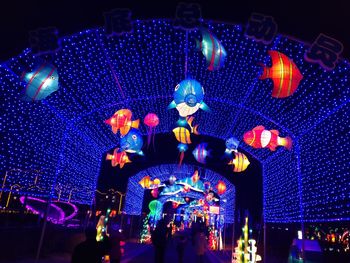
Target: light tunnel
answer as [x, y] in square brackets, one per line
[65, 136]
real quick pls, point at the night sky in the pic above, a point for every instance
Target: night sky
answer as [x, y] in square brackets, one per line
[303, 20]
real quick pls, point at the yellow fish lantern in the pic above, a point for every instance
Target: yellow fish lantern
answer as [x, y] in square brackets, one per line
[182, 135]
[240, 162]
[146, 182]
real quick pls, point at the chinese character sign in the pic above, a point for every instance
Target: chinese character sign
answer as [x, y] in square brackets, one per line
[262, 28]
[188, 15]
[118, 21]
[44, 40]
[324, 51]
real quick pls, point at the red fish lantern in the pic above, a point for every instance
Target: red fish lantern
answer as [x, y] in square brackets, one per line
[284, 74]
[259, 137]
[121, 120]
[175, 205]
[118, 158]
[151, 121]
[221, 187]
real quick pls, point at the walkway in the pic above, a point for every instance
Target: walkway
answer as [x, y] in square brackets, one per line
[170, 255]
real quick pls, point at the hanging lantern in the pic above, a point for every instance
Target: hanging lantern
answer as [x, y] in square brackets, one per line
[221, 187]
[151, 121]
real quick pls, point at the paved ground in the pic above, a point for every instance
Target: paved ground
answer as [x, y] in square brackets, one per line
[135, 253]
[170, 255]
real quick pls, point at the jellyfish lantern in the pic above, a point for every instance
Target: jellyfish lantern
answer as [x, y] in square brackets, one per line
[151, 120]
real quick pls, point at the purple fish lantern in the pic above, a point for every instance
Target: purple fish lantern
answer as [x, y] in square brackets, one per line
[41, 82]
[200, 153]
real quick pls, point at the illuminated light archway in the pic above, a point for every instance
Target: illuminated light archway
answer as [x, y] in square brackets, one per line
[135, 192]
[67, 142]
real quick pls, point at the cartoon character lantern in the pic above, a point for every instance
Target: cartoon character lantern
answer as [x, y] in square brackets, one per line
[188, 97]
[132, 142]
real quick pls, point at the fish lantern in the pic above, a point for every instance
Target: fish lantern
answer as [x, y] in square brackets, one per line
[182, 134]
[212, 49]
[261, 138]
[240, 162]
[121, 120]
[40, 83]
[231, 145]
[195, 176]
[187, 199]
[118, 158]
[284, 74]
[146, 182]
[172, 179]
[151, 121]
[201, 202]
[200, 153]
[188, 97]
[221, 187]
[175, 205]
[132, 142]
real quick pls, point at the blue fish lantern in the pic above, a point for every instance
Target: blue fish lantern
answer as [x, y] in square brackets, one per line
[231, 145]
[40, 83]
[213, 51]
[188, 98]
[200, 153]
[132, 142]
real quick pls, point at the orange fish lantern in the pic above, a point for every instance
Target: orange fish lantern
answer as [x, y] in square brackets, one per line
[221, 187]
[120, 158]
[195, 176]
[121, 120]
[284, 74]
[240, 162]
[146, 182]
[261, 138]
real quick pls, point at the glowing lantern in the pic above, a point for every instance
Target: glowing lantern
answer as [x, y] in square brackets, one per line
[151, 121]
[221, 187]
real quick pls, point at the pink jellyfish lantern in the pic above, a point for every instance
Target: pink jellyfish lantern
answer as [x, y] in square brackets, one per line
[151, 120]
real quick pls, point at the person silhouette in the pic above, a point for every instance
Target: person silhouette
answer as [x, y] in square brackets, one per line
[88, 251]
[159, 240]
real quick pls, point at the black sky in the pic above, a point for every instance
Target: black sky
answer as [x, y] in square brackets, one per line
[300, 19]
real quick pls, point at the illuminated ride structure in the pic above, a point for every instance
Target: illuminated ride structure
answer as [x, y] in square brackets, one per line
[65, 136]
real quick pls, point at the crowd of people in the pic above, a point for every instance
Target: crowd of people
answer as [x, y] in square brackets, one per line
[109, 249]
[93, 251]
[162, 236]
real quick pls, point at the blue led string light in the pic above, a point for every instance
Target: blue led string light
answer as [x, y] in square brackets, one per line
[149, 63]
